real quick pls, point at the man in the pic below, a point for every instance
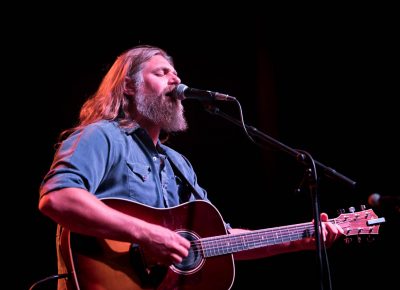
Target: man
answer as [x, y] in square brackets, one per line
[115, 154]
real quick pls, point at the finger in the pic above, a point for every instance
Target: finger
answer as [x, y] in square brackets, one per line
[184, 242]
[182, 251]
[324, 217]
[177, 238]
[325, 233]
[338, 230]
[176, 258]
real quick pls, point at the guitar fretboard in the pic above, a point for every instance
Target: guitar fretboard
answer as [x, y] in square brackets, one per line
[227, 244]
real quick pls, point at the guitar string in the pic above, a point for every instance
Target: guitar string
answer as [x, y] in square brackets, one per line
[214, 243]
[282, 234]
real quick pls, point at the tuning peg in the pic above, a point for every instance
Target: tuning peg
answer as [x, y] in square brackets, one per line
[359, 239]
[370, 238]
[352, 209]
[347, 240]
[341, 210]
[363, 207]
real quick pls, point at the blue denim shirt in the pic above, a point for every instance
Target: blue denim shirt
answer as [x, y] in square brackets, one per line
[110, 161]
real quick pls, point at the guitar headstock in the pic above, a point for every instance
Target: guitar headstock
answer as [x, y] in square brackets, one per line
[364, 222]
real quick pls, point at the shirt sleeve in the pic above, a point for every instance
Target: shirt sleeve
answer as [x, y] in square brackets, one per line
[80, 161]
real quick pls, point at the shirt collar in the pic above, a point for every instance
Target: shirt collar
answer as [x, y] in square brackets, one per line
[130, 130]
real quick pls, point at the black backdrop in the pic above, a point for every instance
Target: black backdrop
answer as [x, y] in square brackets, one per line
[322, 82]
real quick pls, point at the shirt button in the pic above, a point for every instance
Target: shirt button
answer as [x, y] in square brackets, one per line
[154, 158]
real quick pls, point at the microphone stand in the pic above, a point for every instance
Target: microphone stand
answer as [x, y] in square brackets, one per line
[310, 177]
[299, 155]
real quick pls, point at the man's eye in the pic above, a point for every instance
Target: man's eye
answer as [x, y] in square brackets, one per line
[159, 73]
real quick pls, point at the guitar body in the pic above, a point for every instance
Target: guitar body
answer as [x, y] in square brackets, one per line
[100, 264]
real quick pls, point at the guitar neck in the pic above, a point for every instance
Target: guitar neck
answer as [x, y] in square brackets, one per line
[360, 223]
[227, 244]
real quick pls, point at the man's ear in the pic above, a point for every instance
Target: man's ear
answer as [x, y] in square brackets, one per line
[129, 88]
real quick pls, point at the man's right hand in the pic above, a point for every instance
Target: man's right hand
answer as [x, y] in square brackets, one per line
[162, 246]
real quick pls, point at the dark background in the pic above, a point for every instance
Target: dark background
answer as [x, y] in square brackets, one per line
[324, 81]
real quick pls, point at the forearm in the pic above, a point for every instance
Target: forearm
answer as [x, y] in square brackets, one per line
[81, 212]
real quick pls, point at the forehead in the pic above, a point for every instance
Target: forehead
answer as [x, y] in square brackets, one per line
[158, 62]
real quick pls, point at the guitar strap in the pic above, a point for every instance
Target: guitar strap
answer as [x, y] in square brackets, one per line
[189, 187]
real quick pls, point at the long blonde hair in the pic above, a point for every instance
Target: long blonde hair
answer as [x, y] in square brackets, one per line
[109, 102]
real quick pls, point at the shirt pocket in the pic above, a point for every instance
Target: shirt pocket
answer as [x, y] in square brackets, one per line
[140, 170]
[141, 184]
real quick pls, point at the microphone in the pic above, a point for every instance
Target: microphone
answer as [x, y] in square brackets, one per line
[183, 92]
[387, 202]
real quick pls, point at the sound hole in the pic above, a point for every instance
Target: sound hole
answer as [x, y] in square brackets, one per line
[194, 259]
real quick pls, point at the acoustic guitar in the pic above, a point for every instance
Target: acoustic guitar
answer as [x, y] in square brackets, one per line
[108, 264]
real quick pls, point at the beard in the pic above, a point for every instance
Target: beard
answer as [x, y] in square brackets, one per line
[162, 111]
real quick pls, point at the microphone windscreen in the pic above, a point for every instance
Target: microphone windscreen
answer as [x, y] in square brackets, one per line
[374, 199]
